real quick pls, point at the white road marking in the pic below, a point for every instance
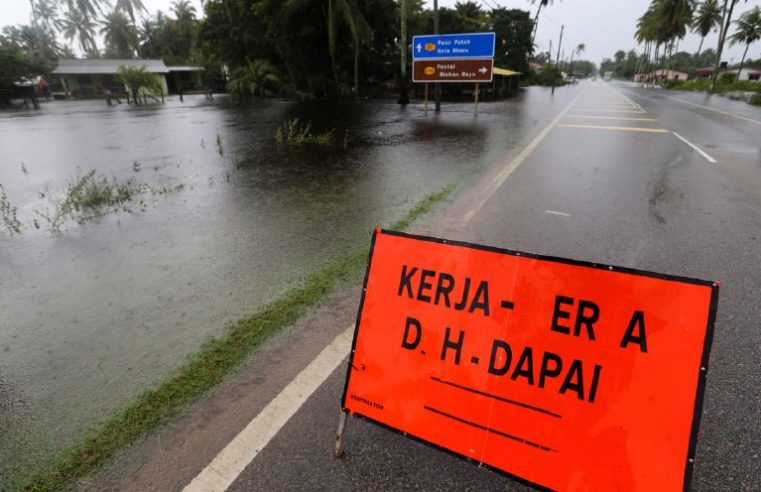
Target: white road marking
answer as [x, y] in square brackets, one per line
[695, 148]
[554, 212]
[513, 165]
[235, 457]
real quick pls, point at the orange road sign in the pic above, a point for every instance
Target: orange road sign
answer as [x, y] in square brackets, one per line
[564, 374]
[456, 70]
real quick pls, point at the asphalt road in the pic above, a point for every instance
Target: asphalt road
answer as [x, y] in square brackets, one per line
[608, 181]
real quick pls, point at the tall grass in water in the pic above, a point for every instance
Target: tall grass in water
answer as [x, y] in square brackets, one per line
[296, 134]
[9, 214]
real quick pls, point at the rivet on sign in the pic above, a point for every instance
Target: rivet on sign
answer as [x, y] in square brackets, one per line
[702, 368]
[691, 460]
[610, 268]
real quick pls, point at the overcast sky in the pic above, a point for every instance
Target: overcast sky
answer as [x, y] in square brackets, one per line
[604, 26]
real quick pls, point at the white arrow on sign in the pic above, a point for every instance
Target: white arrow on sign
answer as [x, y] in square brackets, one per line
[419, 47]
[483, 69]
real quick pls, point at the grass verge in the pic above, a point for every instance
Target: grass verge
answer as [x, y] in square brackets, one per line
[215, 359]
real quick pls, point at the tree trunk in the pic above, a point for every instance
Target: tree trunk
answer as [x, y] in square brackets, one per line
[34, 12]
[700, 47]
[536, 23]
[729, 6]
[332, 40]
[356, 68]
[403, 98]
[742, 62]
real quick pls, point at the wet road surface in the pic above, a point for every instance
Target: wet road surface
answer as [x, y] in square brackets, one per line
[610, 183]
[94, 314]
[623, 191]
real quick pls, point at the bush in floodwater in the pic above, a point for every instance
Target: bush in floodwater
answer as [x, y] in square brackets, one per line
[8, 214]
[88, 197]
[295, 133]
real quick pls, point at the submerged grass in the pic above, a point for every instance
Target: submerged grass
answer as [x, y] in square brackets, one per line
[215, 359]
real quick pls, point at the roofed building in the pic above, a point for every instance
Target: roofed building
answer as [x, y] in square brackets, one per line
[88, 78]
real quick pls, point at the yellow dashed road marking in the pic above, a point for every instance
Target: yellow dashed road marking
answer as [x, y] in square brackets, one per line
[615, 128]
[595, 117]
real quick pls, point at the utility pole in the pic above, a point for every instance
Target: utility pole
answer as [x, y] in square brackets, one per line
[403, 98]
[557, 60]
[437, 86]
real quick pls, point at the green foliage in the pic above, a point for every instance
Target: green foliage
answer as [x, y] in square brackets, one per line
[724, 84]
[295, 134]
[755, 100]
[8, 214]
[137, 79]
[513, 29]
[88, 197]
[25, 52]
[546, 77]
[205, 369]
[256, 78]
[119, 34]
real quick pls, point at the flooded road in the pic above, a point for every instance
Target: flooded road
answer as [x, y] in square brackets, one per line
[93, 314]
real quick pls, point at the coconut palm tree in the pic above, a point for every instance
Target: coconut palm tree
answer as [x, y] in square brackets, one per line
[578, 50]
[358, 26]
[707, 18]
[46, 14]
[130, 7]
[88, 9]
[542, 3]
[726, 14]
[748, 32]
[183, 10]
[77, 25]
[119, 34]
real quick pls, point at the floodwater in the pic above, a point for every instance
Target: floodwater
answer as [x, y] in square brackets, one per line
[93, 314]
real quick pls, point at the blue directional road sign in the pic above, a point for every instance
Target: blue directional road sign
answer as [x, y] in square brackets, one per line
[451, 46]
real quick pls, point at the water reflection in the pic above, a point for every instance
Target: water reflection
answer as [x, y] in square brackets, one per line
[93, 315]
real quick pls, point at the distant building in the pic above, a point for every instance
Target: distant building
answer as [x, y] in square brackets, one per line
[745, 73]
[87, 78]
[704, 73]
[535, 67]
[665, 74]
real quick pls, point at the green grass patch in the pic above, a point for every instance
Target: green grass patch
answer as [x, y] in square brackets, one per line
[204, 370]
[722, 85]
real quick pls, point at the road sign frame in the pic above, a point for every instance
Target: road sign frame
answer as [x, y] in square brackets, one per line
[703, 356]
[433, 38]
[489, 61]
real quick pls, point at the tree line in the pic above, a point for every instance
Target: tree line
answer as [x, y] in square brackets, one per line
[666, 22]
[315, 47]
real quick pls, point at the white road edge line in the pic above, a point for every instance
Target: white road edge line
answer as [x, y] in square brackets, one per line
[554, 212]
[236, 456]
[695, 148]
[513, 165]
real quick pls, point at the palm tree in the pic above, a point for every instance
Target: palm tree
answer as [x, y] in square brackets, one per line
[46, 13]
[183, 11]
[77, 25]
[88, 9]
[130, 7]
[119, 34]
[542, 3]
[748, 32]
[578, 50]
[360, 31]
[707, 18]
[726, 14]
[256, 78]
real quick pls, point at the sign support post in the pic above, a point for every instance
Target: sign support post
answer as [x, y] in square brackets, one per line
[338, 451]
[475, 108]
[426, 99]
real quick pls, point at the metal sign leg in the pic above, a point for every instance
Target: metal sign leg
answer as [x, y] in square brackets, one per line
[338, 451]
